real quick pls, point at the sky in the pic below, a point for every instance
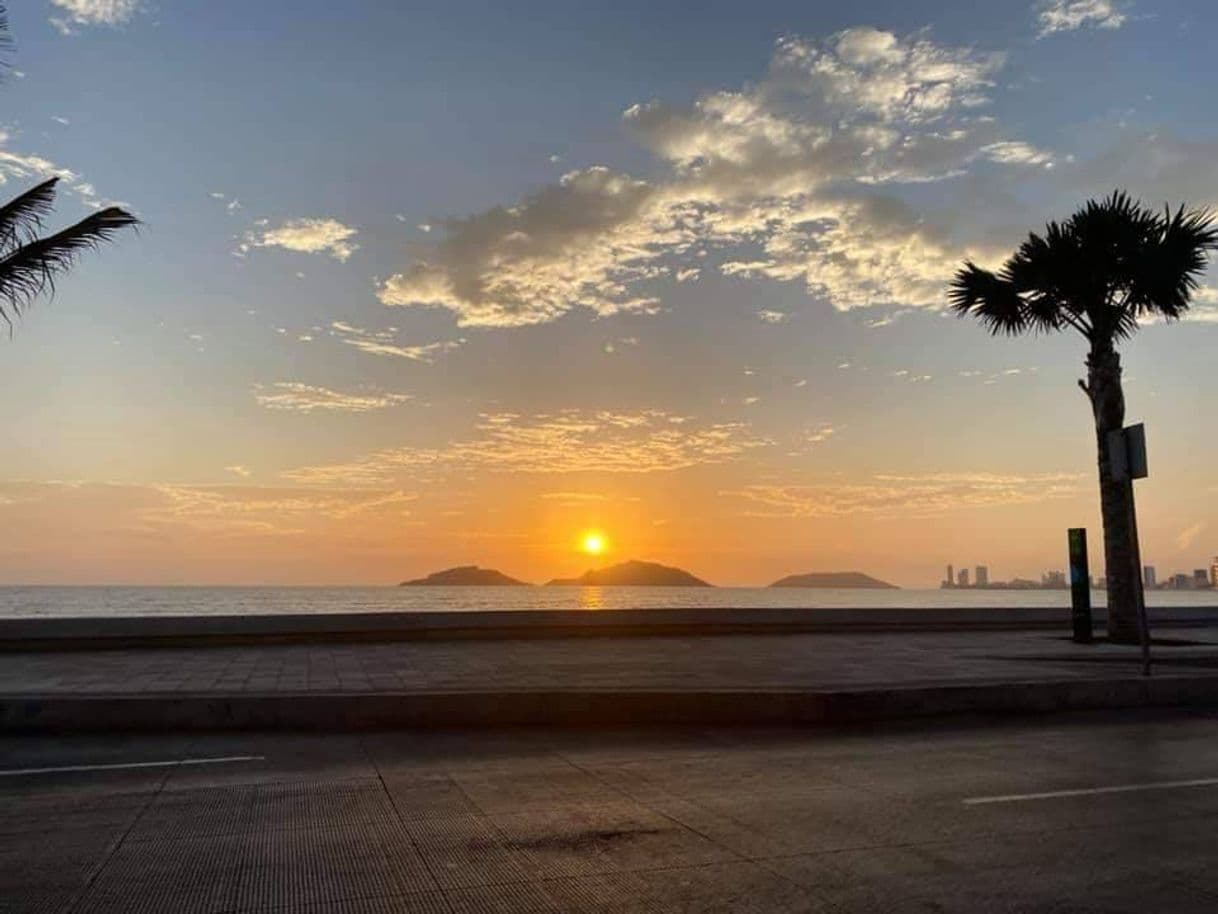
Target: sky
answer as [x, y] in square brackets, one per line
[427, 284]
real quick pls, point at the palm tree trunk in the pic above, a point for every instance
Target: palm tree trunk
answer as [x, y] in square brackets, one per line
[1116, 495]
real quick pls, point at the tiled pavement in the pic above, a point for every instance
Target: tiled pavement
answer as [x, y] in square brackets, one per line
[616, 821]
[775, 661]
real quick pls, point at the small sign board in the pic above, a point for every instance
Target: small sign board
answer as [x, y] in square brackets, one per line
[1127, 452]
[1135, 451]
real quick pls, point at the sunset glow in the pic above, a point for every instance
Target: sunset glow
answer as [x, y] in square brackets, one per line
[593, 542]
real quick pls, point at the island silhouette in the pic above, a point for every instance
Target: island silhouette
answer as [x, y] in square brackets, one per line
[466, 576]
[845, 580]
[634, 574]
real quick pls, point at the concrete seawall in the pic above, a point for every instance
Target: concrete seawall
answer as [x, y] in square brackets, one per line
[93, 633]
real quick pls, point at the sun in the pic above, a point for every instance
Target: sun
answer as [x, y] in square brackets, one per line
[593, 542]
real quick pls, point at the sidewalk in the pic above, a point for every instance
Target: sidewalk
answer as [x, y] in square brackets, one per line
[769, 678]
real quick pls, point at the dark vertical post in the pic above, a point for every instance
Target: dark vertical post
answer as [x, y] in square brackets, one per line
[1080, 586]
[1139, 590]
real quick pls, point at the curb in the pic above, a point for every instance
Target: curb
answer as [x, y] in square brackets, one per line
[438, 710]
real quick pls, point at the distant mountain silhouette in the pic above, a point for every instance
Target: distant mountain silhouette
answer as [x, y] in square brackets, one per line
[637, 574]
[842, 579]
[465, 576]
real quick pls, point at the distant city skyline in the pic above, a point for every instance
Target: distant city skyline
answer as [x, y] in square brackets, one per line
[431, 284]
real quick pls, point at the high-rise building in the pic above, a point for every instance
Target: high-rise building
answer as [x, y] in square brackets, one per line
[1149, 580]
[1214, 573]
[950, 580]
[983, 576]
[1201, 578]
[962, 578]
[1055, 580]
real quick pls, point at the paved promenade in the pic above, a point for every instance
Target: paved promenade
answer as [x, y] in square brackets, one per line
[695, 663]
[1076, 814]
[693, 679]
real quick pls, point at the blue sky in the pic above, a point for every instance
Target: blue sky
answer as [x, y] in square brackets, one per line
[410, 258]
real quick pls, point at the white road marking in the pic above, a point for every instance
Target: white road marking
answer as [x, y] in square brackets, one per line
[12, 772]
[1091, 791]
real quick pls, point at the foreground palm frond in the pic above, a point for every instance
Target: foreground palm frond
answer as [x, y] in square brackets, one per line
[21, 218]
[30, 264]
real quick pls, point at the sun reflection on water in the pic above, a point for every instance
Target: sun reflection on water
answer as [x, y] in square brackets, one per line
[592, 598]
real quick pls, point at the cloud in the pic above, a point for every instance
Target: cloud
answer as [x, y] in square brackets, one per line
[569, 441]
[901, 494]
[168, 510]
[1069, 15]
[579, 243]
[26, 167]
[787, 169]
[1186, 537]
[382, 342]
[77, 13]
[250, 509]
[309, 236]
[305, 398]
[1202, 314]
[1158, 167]
[1013, 152]
[574, 500]
[772, 317]
[238, 470]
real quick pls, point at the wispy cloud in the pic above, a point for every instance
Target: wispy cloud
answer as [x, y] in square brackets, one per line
[233, 510]
[26, 166]
[905, 494]
[1186, 537]
[308, 236]
[383, 342]
[305, 398]
[772, 317]
[1069, 15]
[569, 441]
[74, 14]
[250, 509]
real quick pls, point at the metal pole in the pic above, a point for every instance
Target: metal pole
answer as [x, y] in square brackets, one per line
[1080, 585]
[1139, 591]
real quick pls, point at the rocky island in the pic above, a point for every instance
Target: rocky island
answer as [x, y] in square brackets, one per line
[634, 574]
[854, 580]
[466, 576]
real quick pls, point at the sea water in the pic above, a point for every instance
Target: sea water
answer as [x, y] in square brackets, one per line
[212, 601]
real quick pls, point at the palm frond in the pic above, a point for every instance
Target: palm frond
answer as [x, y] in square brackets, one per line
[1173, 263]
[21, 217]
[1111, 263]
[31, 269]
[992, 299]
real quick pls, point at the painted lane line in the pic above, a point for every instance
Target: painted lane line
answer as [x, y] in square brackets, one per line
[13, 772]
[1091, 791]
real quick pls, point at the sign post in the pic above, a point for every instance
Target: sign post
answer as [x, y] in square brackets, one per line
[1080, 586]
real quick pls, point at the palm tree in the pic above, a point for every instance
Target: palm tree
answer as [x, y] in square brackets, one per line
[1111, 264]
[29, 261]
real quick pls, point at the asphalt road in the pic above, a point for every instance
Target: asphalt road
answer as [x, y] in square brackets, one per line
[1082, 813]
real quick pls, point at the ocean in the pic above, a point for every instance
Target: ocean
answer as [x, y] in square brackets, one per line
[212, 601]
